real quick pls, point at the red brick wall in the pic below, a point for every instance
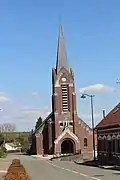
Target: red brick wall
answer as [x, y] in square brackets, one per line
[79, 129]
[39, 144]
[85, 132]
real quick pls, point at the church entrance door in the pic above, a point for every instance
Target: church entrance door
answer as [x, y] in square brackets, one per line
[67, 146]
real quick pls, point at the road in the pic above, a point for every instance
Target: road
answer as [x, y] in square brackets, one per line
[60, 170]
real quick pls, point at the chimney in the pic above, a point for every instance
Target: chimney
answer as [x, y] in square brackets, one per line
[103, 113]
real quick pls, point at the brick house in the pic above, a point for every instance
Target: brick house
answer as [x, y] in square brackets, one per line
[63, 131]
[108, 135]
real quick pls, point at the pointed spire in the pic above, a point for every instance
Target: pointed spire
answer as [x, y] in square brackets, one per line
[61, 53]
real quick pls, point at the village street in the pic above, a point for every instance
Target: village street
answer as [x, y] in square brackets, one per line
[60, 170]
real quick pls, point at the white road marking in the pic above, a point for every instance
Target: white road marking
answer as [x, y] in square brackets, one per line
[94, 178]
[68, 170]
[75, 172]
[85, 175]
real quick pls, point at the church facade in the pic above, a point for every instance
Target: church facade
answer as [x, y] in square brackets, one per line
[63, 131]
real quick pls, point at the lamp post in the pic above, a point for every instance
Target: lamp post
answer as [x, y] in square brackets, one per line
[92, 117]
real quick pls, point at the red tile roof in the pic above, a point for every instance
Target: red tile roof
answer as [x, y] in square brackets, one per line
[112, 118]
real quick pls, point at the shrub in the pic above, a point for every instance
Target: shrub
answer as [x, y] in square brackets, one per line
[3, 153]
[1, 139]
[16, 171]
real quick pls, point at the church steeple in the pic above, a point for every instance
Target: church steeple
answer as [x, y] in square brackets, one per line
[61, 53]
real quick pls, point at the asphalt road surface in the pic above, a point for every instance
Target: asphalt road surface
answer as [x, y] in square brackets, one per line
[39, 169]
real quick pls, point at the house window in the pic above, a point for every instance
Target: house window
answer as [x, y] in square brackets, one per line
[118, 146]
[85, 142]
[104, 144]
[99, 145]
[113, 144]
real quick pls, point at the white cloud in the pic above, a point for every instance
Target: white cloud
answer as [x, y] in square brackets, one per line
[37, 94]
[46, 108]
[27, 110]
[97, 88]
[6, 117]
[31, 114]
[24, 117]
[45, 114]
[43, 111]
[88, 116]
[3, 98]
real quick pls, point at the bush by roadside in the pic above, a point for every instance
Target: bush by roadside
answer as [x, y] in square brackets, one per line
[3, 153]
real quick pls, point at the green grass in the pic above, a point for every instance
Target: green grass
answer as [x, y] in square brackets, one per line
[4, 155]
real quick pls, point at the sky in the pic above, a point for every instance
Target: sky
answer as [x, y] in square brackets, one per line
[28, 47]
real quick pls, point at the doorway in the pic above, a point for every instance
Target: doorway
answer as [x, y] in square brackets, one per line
[67, 146]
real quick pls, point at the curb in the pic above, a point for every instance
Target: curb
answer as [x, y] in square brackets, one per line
[3, 171]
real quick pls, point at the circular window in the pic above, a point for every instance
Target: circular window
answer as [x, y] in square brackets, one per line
[63, 79]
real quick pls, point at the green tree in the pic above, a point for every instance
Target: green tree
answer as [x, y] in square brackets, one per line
[23, 140]
[20, 140]
[1, 139]
[2, 148]
[38, 123]
[25, 146]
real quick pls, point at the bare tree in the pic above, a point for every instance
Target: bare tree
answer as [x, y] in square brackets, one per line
[7, 127]
[0, 127]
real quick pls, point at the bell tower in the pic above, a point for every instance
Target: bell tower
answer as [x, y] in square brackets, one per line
[63, 91]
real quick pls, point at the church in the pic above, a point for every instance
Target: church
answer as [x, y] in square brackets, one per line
[62, 131]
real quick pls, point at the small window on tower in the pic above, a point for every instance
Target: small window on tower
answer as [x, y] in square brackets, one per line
[61, 124]
[71, 123]
[85, 142]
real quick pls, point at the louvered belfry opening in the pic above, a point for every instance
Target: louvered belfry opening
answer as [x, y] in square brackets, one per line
[65, 104]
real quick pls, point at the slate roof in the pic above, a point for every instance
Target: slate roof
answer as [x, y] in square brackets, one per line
[112, 118]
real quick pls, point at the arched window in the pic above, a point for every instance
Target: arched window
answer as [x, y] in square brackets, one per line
[85, 142]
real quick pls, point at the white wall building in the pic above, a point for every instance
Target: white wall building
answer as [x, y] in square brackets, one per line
[11, 147]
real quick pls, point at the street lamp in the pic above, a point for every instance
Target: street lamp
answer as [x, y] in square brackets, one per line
[92, 117]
